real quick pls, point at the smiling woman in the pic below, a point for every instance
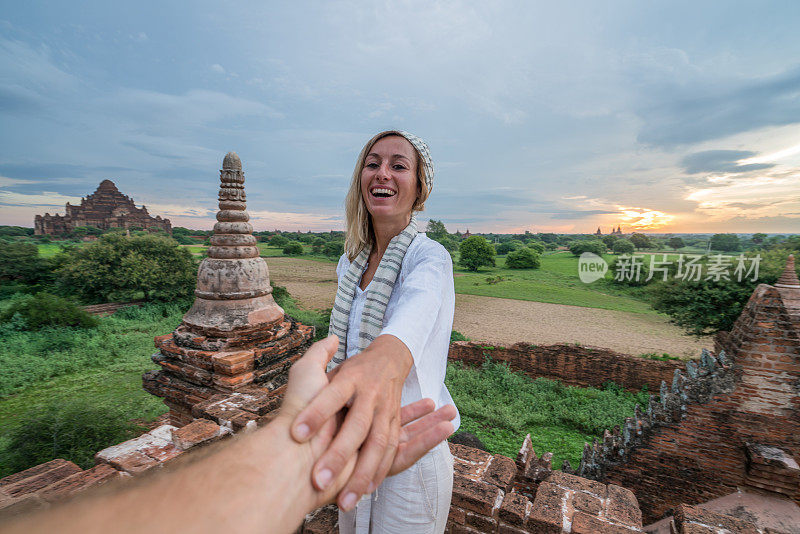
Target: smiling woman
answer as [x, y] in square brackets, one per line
[393, 314]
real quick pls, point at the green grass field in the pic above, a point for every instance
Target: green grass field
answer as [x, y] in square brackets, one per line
[556, 281]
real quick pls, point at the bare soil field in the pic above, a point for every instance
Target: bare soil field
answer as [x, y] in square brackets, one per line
[507, 321]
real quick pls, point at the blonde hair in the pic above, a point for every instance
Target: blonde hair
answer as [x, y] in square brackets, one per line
[358, 221]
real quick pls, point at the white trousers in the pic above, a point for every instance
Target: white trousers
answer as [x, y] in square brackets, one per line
[416, 501]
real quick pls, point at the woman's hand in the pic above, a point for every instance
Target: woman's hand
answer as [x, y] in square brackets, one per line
[370, 384]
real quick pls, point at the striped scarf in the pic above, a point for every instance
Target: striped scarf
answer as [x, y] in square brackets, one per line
[377, 297]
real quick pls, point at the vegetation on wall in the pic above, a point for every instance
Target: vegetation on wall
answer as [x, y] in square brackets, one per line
[500, 406]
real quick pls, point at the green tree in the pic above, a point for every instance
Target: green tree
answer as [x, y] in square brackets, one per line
[119, 268]
[436, 229]
[508, 246]
[707, 306]
[641, 241]
[547, 238]
[449, 243]
[333, 249]
[675, 243]
[20, 262]
[476, 252]
[317, 245]
[278, 241]
[537, 246]
[15, 231]
[726, 242]
[623, 246]
[523, 258]
[293, 248]
[609, 240]
[595, 246]
[758, 238]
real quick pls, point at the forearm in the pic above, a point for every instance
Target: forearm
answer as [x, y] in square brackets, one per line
[257, 483]
[393, 352]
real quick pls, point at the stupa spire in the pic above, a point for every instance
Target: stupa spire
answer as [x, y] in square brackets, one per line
[788, 278]
[233, 291]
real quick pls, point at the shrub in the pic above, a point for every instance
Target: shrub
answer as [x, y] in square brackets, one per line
[455, 335]
[333, 249]
[43, 309]
[476, 252]
[293, 248]
[523, 258]
[579, 247]
[73, 432]
[623, 246]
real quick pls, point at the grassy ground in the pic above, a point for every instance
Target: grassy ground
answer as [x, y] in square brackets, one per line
[500, 407]
[47, 250]
[556, 281]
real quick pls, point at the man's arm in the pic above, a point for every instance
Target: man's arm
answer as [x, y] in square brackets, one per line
[259, 482]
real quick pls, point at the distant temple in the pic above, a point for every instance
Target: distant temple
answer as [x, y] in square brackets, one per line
[105, 208]
[614, 231]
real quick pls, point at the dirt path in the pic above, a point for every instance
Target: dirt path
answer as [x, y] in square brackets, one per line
[507, 321]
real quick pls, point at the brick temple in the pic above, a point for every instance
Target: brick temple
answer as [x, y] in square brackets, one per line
[105, 208]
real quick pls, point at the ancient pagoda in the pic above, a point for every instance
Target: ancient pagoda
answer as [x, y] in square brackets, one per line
[105, 208]
[230, 357]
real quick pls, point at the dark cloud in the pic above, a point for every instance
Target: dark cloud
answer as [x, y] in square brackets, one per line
[721, 161]
[701, 110]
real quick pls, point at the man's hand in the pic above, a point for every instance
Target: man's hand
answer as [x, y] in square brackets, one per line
[379, 408]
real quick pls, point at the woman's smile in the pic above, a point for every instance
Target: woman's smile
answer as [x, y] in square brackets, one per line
[389, 179]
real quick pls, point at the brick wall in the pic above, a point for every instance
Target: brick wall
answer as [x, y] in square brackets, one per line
[696, 448]
[572, 364]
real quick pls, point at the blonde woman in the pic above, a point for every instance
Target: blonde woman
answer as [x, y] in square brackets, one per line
[393, 314]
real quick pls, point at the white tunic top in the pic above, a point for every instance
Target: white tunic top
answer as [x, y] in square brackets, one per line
[420, 314]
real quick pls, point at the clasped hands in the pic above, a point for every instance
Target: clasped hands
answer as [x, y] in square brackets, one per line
[351, 420]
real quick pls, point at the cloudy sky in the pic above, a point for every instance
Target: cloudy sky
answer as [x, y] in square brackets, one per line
[661, 116]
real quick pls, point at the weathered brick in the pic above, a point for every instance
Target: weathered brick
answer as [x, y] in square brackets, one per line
[324, 520]
[514, 509]
[622, 506]
[480, 522]
[468, 454]
[587, 503]
[474, 495]
[38, 477]
[547, 515]
[577, 483]
[500, 471]
[588, 524]
[199, 431]
[456, 515]
[78, 482]
[686, 516]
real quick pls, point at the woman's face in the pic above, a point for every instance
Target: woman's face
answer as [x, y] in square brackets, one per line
[389, 179]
